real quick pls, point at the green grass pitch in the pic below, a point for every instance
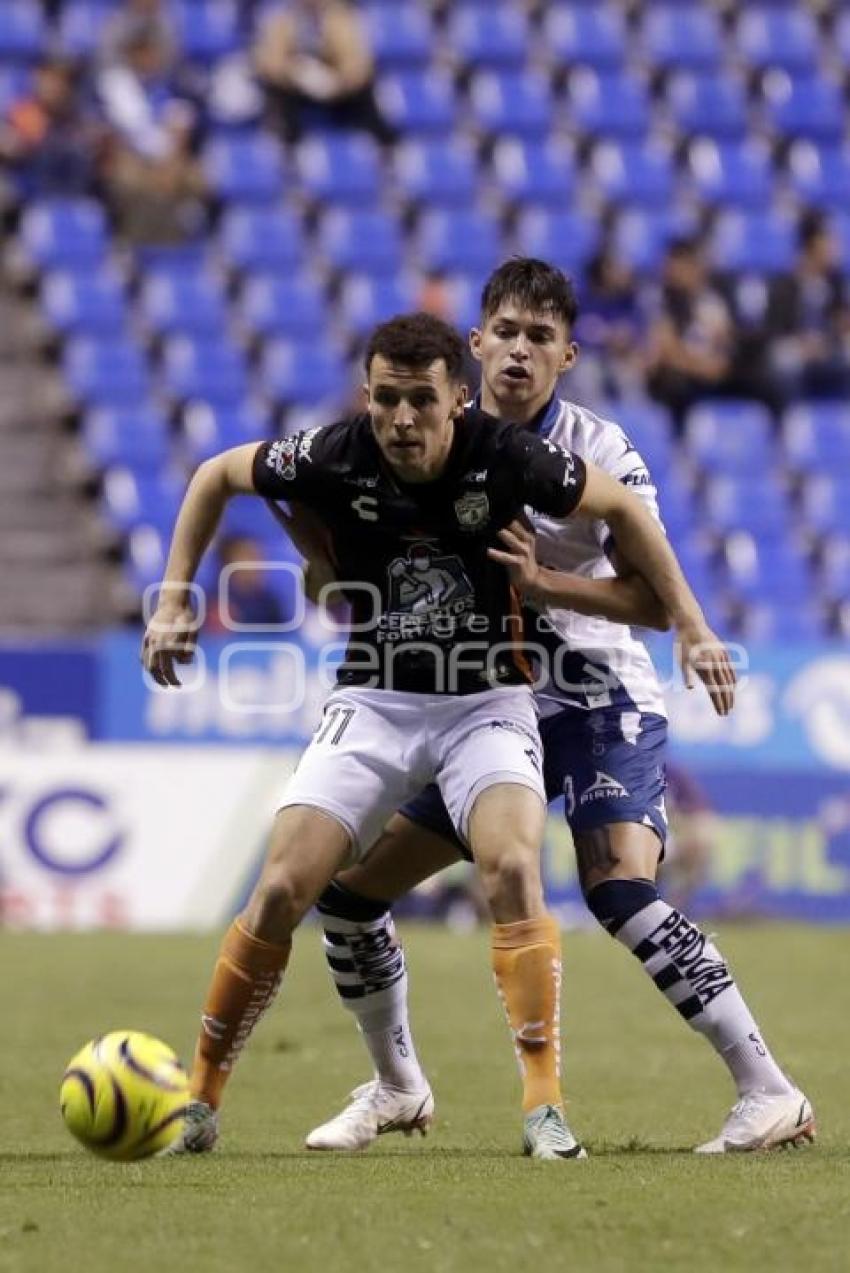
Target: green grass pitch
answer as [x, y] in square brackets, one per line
[642, 1091]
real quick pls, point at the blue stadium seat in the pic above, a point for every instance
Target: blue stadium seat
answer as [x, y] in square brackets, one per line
[496, 36]
[567, 239]
[805, 107]
[23, 31]
[184, 301]
[518, 103]
[15, 82]
[419, 101]
[714, 105]
[249, 167]
[788, 620]
[437, 172]
[610, 103]
[108, 371]
[342, 168]
[820, 175]
[762, 242]
[840, 221]
[840, 37]
[754, 501]
[732, 172]
[640, 235]
[400, 35]
[649, 428]
[825, 502]
[134, 499]
[361, 239]
[67, 233]
[676, 36]
[302, 373]
[80, 26]
[210, 427]
[293, 306]
[91, 301]
[591, 35]
[730, 435]
[207, 368]
[132, 435]
[261, 238]
[777, 36]
[459, 241]
[367, 300]
[817, 435]
[633, 171]
[207, 29]
[534, 172]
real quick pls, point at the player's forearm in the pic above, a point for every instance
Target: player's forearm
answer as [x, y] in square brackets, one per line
[643, 546]
[628, 600]
[197, 522]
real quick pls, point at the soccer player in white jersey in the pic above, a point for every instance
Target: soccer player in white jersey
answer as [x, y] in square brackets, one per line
[604, 731]
[433, 686]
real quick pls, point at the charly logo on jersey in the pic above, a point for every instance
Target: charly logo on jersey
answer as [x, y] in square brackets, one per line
[603, 787]
[430, 594]
[473, 510]
[281, 457]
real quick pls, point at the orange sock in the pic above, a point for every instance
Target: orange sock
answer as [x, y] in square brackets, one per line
[245, 980]
[527, 968]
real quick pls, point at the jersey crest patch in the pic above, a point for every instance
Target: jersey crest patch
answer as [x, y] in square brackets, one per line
[281, 458]
[473, 510]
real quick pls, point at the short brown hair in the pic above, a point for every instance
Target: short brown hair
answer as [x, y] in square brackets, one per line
[417, 340]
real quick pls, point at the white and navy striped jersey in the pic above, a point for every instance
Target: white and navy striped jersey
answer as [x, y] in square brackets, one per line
[608, 663]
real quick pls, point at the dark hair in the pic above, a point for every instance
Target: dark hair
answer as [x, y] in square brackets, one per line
[417, 340]
[532, 284]
[811, 227]
[683, 245]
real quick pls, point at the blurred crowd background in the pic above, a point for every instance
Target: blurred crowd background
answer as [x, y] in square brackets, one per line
[207, 204]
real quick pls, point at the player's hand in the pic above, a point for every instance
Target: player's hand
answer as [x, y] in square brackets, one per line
[170, 638]
[703, 653]
[518, 556]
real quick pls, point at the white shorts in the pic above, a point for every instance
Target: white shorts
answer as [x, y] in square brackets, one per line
[375, 749]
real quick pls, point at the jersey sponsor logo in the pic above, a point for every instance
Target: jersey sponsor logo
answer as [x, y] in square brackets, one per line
[430, 594]
[476, 475]
[281, 457]
[603, 787]
[364, 483]
[637, 477]
[366, 507]
[473, 510]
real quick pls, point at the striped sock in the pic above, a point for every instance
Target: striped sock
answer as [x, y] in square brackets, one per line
[690, 972]
[366, 961]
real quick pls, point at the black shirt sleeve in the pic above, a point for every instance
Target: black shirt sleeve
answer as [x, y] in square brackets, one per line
[288, 468]
[552, 479]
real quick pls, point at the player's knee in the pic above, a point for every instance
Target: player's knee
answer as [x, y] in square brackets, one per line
[511, 882]
[279, 903]
[614, 902]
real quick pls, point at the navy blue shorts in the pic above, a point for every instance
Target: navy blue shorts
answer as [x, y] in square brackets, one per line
[607, 764]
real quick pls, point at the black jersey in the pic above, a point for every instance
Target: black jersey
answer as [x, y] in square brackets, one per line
[436, 614]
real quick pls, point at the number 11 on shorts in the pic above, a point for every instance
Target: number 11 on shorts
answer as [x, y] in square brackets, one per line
[336, 716]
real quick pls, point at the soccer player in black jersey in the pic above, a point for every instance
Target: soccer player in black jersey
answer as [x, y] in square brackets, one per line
[420, 495]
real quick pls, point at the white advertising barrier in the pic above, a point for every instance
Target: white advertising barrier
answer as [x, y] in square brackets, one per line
[137, 837]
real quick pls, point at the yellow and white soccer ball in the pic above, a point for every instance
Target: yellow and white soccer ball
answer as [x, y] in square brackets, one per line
[124, 1095]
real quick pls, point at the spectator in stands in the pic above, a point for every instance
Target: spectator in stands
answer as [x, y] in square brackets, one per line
[47, 141]
[691, 334]
[609, 331]
[122, 25]
[808, 317]
[154, 182]
[249, 597]
[313, 59]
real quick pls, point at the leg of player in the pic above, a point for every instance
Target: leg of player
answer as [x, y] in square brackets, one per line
[367, 964]
[617, 868]
[307, 847]
[505, 833]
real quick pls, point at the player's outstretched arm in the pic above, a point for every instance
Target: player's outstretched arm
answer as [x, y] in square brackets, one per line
[626, 598]
[644, 546]
[170, 635]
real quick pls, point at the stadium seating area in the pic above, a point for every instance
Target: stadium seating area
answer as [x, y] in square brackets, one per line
[523, 127]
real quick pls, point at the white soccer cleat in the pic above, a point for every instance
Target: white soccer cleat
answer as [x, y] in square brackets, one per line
[200, 1131]
[373, 1111]
[764, 1120]
[547, 1136]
